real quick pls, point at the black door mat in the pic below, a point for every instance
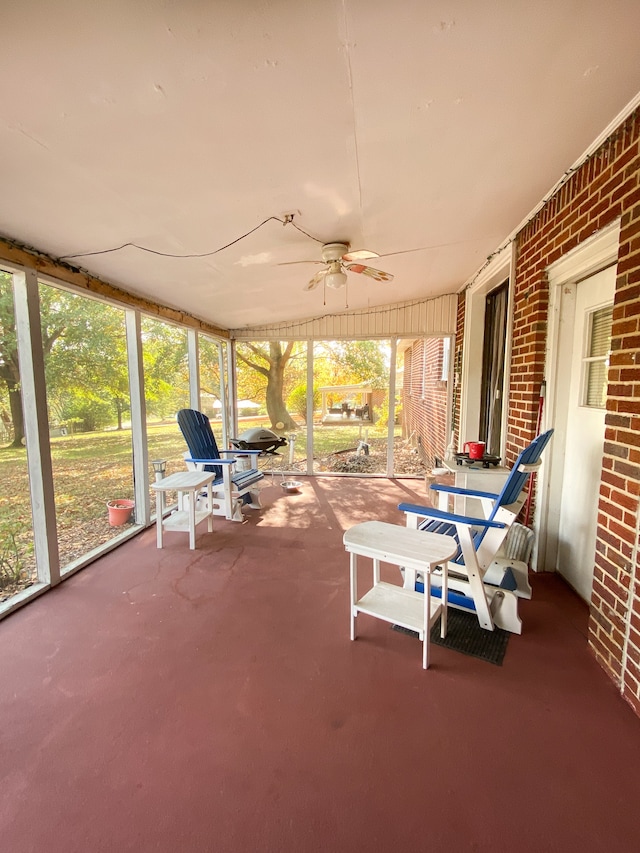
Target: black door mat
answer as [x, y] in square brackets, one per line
[465, 635]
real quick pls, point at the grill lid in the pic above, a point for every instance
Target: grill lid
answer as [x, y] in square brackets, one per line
[258, 438]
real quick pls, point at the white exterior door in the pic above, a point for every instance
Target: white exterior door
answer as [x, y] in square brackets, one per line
[585, 429]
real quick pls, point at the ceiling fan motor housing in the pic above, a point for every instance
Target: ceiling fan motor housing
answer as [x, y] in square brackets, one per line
[334, 251]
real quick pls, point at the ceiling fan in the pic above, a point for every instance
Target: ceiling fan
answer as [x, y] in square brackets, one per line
[338, 260]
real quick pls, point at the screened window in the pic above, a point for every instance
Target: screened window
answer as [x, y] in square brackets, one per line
[596, 361]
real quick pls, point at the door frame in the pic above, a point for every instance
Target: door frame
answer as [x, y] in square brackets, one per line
[594, 255]
[496, 272]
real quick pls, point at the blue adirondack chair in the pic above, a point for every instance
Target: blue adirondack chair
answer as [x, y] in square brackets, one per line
[232, 488]
[481, 581]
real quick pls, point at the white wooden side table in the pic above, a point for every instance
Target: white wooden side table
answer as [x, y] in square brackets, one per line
[474, 476]
[417, 551]
[189, 483]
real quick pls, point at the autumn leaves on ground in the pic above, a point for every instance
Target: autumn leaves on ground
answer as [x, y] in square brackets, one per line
[90, 469]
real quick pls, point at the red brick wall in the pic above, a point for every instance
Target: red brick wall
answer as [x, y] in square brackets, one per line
[604, 188]
[457, 369]
[425, 397]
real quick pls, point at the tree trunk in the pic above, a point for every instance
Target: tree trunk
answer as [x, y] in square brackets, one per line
[281, 420]
[15, 401]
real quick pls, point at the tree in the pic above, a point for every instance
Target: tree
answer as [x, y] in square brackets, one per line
[84, 349]
[270, 361]
[86, 368]
[52, 327]
[166, 367]
[352, 362]
[9, 370]
[210, 366]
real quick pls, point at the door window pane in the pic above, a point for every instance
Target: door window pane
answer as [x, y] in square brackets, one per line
[492, 383]
[597, 359]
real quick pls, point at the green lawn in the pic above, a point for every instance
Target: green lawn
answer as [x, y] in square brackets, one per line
[89, 469]
[93, 468]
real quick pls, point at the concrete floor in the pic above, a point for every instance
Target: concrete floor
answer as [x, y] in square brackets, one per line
[212, 701]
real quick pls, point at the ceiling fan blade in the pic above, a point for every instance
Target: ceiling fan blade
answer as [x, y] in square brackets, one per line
[315, 281]
[378, 275]
[289, 263]
[359, 255]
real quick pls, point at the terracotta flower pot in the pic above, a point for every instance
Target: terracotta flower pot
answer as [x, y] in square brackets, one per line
[120, 511]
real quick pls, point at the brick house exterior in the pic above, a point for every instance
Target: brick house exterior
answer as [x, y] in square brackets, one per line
[424, 396]
[604, 188]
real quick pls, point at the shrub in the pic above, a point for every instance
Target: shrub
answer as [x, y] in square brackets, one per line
[297, 401]
[12, 563]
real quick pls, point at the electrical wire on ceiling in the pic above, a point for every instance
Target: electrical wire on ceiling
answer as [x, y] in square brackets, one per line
[287, 220]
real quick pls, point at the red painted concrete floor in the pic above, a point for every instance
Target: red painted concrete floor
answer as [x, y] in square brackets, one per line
[212, 701]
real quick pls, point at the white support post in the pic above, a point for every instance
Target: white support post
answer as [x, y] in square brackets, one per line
[233, 400]
[450, 383]
[138, 417]
[36, 423]
[392, 405]
[223, 396]
[193, 354]
[309, 407]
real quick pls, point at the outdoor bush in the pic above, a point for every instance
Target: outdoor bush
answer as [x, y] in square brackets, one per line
[382, 414]
[12, 563]
[297, 401]
[93, 413]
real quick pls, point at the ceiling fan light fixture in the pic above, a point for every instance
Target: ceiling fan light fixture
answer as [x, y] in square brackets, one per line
[335, 277]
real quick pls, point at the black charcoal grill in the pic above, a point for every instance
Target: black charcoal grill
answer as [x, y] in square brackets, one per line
[259, 439]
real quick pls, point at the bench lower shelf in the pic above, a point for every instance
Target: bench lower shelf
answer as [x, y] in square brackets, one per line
[180, 520]
[398, 606]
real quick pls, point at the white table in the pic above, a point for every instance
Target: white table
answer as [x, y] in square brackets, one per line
[189, 483]
[477, 477]
[417, 551]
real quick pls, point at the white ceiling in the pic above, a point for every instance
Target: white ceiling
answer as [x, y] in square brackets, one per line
[180, 125]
